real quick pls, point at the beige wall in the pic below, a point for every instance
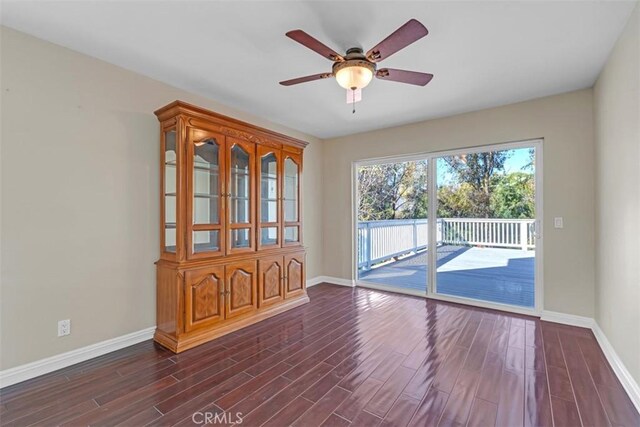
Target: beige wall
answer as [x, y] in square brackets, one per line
[617, 113]
[566, 124]
[80, 197]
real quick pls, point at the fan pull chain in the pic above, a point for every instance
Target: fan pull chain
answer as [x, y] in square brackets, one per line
[353, 98]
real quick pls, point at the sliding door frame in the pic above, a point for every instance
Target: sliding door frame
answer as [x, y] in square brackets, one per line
[431, 158]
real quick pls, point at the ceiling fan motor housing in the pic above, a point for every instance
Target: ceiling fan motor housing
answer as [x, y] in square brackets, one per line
[354, 63]
[354, 58]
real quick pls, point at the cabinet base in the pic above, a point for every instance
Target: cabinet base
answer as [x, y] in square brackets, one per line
[193, 339]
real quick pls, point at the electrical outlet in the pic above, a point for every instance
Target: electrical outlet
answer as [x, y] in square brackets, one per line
[64, 327]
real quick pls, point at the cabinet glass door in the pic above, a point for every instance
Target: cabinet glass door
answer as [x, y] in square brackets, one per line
[240, 189]
[269, 196]
[291, 199]
[170, 199]
[205, 188]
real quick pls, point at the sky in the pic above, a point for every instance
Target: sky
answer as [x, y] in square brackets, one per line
[517, 160]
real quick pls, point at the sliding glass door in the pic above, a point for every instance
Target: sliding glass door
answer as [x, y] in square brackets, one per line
[392, 225]
[483, 244]
[486, 219]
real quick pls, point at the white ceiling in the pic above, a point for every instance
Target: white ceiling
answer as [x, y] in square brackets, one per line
[483, 54]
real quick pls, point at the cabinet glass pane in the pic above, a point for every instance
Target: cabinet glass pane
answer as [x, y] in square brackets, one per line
[269, 188]
[170, 210]
[170, 178]
[205, 210]
[206, 241]
[240, 238]
[269, 211]
[170, 239]
[290, 190]
[239, 186]
[290, 234]
[269, 236]
[206, 182]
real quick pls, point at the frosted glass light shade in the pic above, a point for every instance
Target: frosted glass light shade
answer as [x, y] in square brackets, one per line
[354, 77]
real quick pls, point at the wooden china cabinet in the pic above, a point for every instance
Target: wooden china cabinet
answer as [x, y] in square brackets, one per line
[231, 249]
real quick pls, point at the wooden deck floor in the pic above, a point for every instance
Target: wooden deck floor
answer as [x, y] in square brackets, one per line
[351, 357]
[504, 276]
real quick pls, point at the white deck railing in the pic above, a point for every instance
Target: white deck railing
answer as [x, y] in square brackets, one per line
[382, 240]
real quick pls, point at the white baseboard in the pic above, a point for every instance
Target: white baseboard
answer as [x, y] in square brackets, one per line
[328, 279]
[624, 376]
[53, 363]
[567, 319]
[628, 382]
[315, 281]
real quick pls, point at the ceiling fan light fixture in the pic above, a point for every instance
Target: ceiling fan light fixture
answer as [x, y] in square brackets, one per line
[354, 74]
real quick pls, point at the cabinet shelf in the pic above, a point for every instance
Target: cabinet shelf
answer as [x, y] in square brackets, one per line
[239, 171]
[202, 167]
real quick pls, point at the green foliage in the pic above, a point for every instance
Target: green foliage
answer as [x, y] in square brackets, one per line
[455, 202]
[477, 187]
[477, 171]
[513, 196]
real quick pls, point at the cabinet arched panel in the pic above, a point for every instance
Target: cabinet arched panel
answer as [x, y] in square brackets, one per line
[294, 275]
[270, 280]
[241, 295]
[204, 297]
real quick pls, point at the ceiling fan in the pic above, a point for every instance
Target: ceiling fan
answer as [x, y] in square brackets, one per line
[355, 70]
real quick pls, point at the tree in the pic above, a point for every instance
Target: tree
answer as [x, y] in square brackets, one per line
[473, 186]
[418, 205]
[455, 201]
[513, 196]
[477, 170]
[392, 191]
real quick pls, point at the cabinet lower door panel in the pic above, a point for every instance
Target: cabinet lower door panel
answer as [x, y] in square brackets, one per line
[241, 287]
[204, 297]
[294, 274]
[270, 280]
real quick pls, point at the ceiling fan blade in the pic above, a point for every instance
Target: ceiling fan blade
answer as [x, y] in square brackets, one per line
[315, 45]
[306, 79]
[411, 31]
[404, 76]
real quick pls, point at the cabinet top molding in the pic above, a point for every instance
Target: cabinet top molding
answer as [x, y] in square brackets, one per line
[229, 125]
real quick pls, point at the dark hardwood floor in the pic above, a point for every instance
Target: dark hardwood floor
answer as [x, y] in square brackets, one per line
[350, 357]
